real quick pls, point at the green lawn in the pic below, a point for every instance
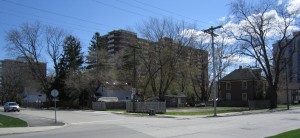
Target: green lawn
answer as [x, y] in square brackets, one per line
[7, 121]
[285, 106]
[289, 134]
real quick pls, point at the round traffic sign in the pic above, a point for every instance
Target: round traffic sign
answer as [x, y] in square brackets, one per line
[54, 93]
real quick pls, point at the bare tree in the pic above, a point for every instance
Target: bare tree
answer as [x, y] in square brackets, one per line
[225, 51]
[255, 28]
[54, 40]
[27, 43]
[166, 41]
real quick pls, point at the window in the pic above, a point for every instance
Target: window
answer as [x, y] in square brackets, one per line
[228, 86]
[228, 96]
[244, 85]
[244, 97]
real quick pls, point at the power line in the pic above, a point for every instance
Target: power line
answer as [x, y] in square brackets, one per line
[58, 14]
[64, 22]
[170, 12]
[144, 9]
[139, 7]
[136, 13]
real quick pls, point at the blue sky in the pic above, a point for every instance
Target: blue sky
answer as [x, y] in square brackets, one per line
[82, 18]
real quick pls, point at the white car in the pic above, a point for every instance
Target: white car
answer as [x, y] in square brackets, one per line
[11, 106]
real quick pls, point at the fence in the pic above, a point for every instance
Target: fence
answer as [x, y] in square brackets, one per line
[32, 104]
[101, 106]
[145, 107]
[232, 103]
[258, 104]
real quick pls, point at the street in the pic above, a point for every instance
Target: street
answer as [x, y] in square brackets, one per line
[95, 124]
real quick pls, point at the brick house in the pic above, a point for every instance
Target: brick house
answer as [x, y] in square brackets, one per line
[240, 86]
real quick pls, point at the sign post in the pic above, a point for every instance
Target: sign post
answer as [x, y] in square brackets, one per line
[54, 93]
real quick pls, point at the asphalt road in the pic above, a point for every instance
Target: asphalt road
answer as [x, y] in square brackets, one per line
[97, 124]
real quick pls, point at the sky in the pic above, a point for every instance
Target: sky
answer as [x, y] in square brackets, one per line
[82, 18]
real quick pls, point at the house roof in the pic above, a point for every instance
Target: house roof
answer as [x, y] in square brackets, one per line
[243, 74]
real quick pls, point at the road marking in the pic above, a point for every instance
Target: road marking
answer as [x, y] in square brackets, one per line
[94, 122]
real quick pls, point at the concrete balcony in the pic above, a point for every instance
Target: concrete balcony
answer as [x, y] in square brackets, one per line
[111, 50]
[111, 41]
[110, 46]
[111, 36]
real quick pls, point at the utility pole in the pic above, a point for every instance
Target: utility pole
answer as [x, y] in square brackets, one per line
[211, 32]
[134, 79]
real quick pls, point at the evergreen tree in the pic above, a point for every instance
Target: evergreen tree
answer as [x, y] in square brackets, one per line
[96, 49]
[72, 58]
[70, 61]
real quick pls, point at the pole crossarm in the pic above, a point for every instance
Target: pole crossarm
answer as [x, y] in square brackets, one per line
[211, 30]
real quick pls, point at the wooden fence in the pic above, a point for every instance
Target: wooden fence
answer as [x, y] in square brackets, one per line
[146, 107]
[99, 106]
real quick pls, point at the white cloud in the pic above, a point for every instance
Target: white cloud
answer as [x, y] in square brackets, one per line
[198, 35]
[279, 2]
[240, 60]
[294, 6]
[222, 18]
[274, 28]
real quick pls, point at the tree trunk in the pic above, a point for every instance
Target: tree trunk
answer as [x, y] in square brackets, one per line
[273, 97]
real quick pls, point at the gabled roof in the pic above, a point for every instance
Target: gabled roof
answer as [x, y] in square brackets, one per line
[243, 74]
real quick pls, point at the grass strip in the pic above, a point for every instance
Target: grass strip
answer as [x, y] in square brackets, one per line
[205, 112]
[7, 121]
[288, 134]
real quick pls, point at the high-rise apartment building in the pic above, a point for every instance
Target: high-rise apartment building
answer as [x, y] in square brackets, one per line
[119, 39]
[291, 72]
[16, 76]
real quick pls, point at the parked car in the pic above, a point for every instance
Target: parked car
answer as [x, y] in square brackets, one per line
[11, 106]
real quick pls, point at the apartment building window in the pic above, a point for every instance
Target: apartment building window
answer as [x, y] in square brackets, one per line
[244, 85]
[228, 86]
